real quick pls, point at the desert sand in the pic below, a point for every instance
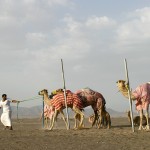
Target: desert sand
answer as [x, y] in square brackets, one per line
[28, 134]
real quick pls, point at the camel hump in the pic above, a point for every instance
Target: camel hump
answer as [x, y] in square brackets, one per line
[142, 91]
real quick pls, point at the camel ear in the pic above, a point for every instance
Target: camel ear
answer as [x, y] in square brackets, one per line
[127, 111]
[126, 82]
[46, 90]
[119, 81]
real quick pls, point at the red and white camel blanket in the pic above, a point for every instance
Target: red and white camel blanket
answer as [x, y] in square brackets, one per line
[58, 100]
[142, 95]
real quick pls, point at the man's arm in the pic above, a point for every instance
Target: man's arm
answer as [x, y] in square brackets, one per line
[15, 101]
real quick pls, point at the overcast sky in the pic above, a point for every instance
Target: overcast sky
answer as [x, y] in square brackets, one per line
[91, 36]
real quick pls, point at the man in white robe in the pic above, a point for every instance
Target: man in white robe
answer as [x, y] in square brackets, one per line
[6, 115]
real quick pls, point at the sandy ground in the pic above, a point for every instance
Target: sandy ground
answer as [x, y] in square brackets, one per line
[29, 135]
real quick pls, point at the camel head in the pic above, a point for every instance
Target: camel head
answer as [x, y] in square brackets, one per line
[44, 91]
[123, 87]
[55, 92]
[121, 83]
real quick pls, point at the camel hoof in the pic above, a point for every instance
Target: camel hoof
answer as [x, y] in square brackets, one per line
[146, 127]
[80, 127]
[75, 128]
[140, 128]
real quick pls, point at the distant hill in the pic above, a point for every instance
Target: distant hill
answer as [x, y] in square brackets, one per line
[34, 112]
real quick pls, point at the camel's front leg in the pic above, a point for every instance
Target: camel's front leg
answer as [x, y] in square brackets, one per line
[53, 119]
[46, 122]
[100, 118]
[141, 120]
[76, 110]
[95, 118]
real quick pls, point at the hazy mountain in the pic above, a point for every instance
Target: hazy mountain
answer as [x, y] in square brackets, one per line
[34, 112]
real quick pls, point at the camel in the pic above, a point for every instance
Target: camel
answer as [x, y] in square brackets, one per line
[77, 117]
[136, 119]
[91, 120]
[48, 114]
[106, 119]
[94, 99]
[58, 103]
[142, 96]
[91, 98]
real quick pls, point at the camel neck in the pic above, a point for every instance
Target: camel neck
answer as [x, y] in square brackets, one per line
[46, 99]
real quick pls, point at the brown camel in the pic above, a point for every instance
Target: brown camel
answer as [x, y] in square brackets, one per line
[105, 117]
[58, 104]
[142, 96]
[136, 119]
[91, 98]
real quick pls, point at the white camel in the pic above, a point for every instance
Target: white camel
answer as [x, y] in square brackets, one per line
[142, 96]
[48, 114]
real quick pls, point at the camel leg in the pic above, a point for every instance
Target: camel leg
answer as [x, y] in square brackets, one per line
[63, 117]
[95, 118]
[100, 118]
[108, 121]
[75, 123]
[53, 119]
[78, 111]
[50, 122]
[141, 120]
[77, 118]
[147, 119]
[46, 123]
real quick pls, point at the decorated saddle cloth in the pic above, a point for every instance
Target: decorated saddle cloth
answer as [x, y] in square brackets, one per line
[72, 99]
[48, 111]
[89, 96]
[142, 95]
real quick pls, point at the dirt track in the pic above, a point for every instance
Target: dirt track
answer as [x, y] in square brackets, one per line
[28, 135]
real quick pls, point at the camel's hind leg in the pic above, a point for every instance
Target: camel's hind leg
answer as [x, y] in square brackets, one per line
[63, 117]
[141, 120]
[108, 120]
[78, 111]
[147, 119]
[75, 119]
